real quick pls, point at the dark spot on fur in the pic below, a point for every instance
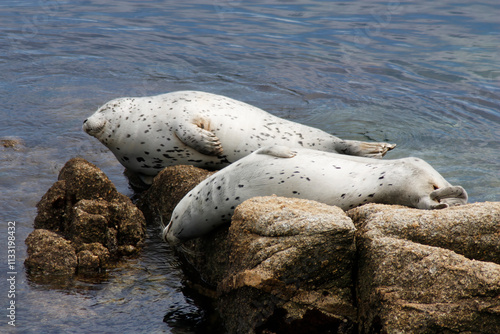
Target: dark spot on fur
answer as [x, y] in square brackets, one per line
[140, 159]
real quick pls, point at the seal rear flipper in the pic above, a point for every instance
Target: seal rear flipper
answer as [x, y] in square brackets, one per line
[451, 196]
[197, 135]
[277, 151]
[363, 149]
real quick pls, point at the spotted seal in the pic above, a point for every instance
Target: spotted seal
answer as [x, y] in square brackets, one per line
[147, 134]
[330, 178]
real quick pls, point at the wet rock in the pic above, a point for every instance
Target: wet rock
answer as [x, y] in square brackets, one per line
[92, 258]
[428, 271]
[85, 181]
[85, 209]
[52, 208]
[289, 266]
[168, 188]
[14, 143]
[48, 252]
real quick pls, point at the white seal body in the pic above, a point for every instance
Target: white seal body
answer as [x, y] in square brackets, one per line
[334, 179]
[147, 134]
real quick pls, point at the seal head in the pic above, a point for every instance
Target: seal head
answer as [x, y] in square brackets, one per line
[94, 125]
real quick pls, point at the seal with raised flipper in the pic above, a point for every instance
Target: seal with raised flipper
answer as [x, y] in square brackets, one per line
[330, 178]
[147, 134]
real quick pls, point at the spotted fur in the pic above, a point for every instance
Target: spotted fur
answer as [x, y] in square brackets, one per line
[147, 134]
[330, 178]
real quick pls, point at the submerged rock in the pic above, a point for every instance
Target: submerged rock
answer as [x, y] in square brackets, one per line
[14, 143]
[84, 209]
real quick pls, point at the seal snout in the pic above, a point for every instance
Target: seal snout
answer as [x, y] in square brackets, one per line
[94, 124]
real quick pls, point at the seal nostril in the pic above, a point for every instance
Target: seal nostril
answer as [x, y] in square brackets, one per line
[85, 121]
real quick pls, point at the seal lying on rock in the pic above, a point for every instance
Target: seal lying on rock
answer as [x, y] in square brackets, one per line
[330, 178]
[147, 134]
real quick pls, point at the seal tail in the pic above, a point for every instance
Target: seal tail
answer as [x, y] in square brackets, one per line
[363, 149]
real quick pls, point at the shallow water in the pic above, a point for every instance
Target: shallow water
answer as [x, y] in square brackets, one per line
[423, 75]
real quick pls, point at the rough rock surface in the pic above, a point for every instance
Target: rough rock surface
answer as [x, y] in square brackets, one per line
[295, 266]
[472, 230]
[13, 143]
[289, 265]
[96, 223]
[49, 252]
[285, 265]
[168, 188]
[428, 271]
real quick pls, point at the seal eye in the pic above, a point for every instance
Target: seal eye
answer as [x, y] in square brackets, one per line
[435, 187]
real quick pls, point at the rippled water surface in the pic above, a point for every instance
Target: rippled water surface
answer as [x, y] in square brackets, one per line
[423, 75]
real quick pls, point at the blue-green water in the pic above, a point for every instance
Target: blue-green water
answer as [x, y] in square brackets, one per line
[423, 75]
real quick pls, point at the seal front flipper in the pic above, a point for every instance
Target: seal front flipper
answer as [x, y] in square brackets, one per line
[363, 149]
[277, 151]
[198, 135]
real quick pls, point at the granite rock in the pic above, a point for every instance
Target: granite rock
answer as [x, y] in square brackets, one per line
[283, 264]
[428, 271]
